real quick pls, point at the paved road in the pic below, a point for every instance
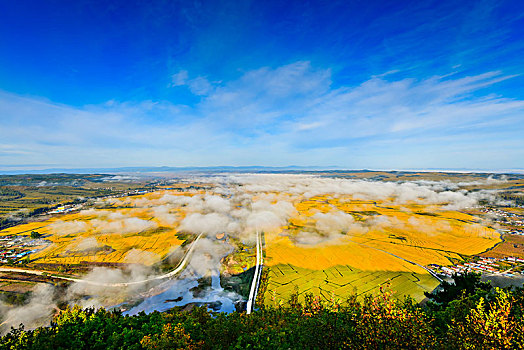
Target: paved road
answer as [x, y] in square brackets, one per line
[179, 268]
[256, 278]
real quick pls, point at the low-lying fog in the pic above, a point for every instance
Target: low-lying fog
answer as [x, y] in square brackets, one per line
[238, 205]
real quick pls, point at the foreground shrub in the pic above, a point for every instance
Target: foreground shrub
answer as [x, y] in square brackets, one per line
[488, 326]
[473, 321]
[384, 322]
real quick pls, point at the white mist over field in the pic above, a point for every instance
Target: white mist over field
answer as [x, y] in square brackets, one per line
[236, 205]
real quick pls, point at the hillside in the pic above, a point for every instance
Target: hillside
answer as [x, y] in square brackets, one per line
[467, 316]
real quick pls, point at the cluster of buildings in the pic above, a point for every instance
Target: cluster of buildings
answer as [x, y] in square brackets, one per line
[124, 194]
[483, 265]
[515, 219]
[519, 232]
[65, 209]
[13, 249]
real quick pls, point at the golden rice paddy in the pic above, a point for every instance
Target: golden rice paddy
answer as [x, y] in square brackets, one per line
[388, 241]
[381, 241]
[119, 233]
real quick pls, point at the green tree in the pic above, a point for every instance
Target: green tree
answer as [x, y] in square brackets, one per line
[172, 337]
[466, 284]
[487, 326]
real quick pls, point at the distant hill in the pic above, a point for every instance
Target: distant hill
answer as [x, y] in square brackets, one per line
[241, 169]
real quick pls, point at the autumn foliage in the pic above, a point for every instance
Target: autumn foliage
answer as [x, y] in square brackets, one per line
[479, 319]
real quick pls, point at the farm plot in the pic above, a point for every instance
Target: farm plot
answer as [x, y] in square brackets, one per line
[122, 231]
[380, 242]
[338, 282]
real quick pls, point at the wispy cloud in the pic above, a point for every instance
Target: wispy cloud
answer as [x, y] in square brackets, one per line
[291, 114]
[180, 78]
[198, 85]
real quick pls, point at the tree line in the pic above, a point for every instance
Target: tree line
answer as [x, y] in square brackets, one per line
[466, 314]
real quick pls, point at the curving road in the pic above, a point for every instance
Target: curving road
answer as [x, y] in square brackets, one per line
[178, 269]
[256, 278]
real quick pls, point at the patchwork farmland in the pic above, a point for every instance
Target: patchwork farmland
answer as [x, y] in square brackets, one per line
[327, 236]
[113, 233]
[371, 253]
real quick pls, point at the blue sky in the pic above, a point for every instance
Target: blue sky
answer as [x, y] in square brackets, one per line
[375, 84]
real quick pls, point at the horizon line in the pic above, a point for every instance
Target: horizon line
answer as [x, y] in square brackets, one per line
[21, 170]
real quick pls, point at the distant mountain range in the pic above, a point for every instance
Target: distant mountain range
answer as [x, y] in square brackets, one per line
[232, 169]
[165, 169]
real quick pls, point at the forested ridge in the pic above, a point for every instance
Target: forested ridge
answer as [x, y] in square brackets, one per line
[467, 314]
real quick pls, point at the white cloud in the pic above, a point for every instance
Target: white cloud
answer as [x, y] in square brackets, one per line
[180, 78]
[204, 223]
[291, 114]
[33, 314]
[199, 86]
